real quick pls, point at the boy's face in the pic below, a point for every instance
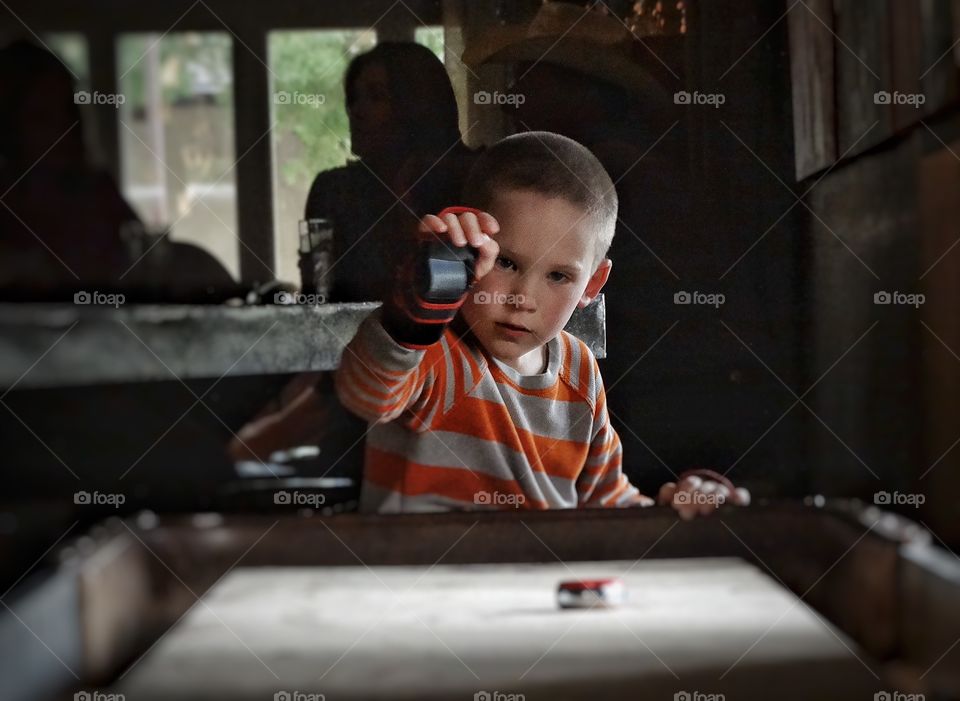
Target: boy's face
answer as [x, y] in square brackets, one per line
[544, 270]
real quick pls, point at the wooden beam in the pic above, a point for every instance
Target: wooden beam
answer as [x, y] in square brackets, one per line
[254, 168]
[103, 79]
[863, 69]
[811, 72]
[207, 15]
[939, 77]
[907, 48]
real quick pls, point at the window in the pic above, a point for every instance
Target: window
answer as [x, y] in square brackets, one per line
[432, 38]
[177, 139]
[71, 48]
[311, 133]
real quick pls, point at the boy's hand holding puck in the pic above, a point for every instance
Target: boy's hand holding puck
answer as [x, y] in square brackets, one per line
[700, 492]
[455, 249]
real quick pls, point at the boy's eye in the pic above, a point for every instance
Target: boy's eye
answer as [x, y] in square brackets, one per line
[505, 262]
[558, 276]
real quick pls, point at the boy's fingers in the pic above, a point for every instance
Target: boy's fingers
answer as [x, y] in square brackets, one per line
[689, 484]
[471, 229]
[723, 494]
[431, 224]
[689, 505]
[702, 497]
[454, 230]
[665, 495]
[709, 505]
[488, 223]
[486, 259]
[487, 248]
[465, 229]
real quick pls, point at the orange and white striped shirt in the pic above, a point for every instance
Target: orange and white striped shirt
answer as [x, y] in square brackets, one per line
[455, 428]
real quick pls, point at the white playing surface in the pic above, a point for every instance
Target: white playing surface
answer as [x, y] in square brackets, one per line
[704, 626]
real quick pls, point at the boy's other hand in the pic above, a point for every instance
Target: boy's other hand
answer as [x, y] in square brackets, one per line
[694, 496]
[468, 229]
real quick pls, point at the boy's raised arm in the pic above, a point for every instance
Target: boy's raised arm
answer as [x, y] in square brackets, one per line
[397, 356]
[378, 377]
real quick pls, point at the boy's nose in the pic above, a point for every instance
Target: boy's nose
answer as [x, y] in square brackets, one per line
[523, 299]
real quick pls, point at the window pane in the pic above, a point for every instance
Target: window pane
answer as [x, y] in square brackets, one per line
[71, 48]
[432, 38]
[177, 139]
[311, 133]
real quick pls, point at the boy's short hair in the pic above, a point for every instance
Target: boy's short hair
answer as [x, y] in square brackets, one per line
[551, 165]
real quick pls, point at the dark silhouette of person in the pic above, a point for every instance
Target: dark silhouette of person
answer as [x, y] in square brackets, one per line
[404, 131]
[60, 217]
[63, 220]
[411, 160]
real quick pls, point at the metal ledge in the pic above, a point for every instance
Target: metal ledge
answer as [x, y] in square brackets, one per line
[59, 345]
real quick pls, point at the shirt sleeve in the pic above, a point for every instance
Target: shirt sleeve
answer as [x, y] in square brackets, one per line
[381, 380]
[602, 482]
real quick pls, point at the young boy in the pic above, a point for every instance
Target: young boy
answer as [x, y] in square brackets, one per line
[487, 401]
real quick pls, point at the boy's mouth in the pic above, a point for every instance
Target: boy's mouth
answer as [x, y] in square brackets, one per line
[512, 329]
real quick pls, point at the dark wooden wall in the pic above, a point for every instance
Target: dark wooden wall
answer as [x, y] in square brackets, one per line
[884, 212]
[830, 196]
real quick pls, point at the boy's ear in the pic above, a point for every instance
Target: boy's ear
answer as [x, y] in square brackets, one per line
[597, 281]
